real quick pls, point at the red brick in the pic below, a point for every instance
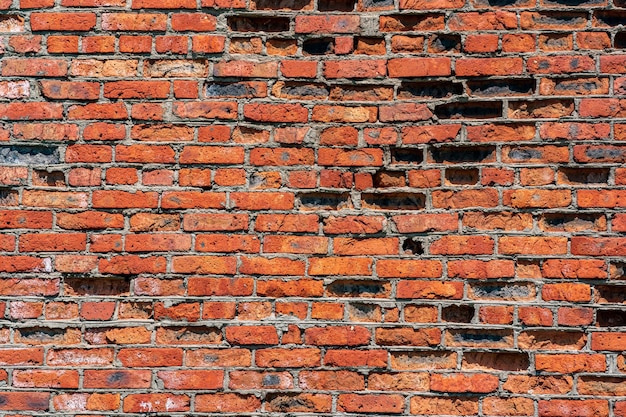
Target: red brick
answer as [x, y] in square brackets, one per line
[62, 21]
[227, 403]
[463, 383]
[134, 403]
[150, 357]
[419, 67]
[430, 289]
[582, 408]
[476, 67]
[134, 22]
[371, 403]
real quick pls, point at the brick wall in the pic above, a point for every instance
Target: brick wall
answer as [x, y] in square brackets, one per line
[265, 207]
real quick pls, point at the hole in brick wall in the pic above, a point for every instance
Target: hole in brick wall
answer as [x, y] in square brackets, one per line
[265, 180]
[471, 110]
[99, 286]
[572, 2]
[324, 201]
[524, 154]
[570, 221]
[479, 336]
[11, 23]
[8, 197]
[384, 179]
[302, 91]
[135, 310]
[561, 18]
[620, 40]
[443, 89]
[611, 318]
[336, 5]
[457, 314]
[355, 288]
[49, 179]
[540, 108]
[444, 43]
[456, 154]
[286, 402]
[42, 334]
[609, 17]
[28, 155]
[361, 93]
[189, 335]
[585, 175]
[412, 246]
[253, 45]
[377, 3]
[318, 46]
[364, 312]
[499, 3]
[619, 269]
[502, 361]
[611, 294]
[281, 4]
[240, 89]
[258, 24]
[461, 176]
[501, 87]
[501, 291]
[394, 201]
[579, 85]
[407, 156]
[555, 42]
[403, 23]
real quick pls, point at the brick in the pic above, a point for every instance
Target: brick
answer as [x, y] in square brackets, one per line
[372, 403]
[333, 336]
[40, 67]
[463, 383]
[203, 264]
[227, 402]
[515, 406]
[70, 90]
[475, 67]
[26, 400]
[583, 408]
[276, 112]
[134, 22]
[532, 245]
[355, 69]
[460, 406]
[62, 21]
[419, 67]
[405, 336]
[573, 363]
[560, 64]
[458, 245]
[150, 357]
[155, 402]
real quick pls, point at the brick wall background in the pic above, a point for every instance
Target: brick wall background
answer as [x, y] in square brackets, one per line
[268, 207]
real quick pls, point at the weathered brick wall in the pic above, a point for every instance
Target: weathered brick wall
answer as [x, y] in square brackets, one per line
[262, 207]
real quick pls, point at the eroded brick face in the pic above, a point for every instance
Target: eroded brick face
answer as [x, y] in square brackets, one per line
[268, 207]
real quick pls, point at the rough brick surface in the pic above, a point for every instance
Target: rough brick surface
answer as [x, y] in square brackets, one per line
[316, 207]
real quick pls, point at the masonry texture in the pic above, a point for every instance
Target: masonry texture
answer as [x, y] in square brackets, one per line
[313, 207]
